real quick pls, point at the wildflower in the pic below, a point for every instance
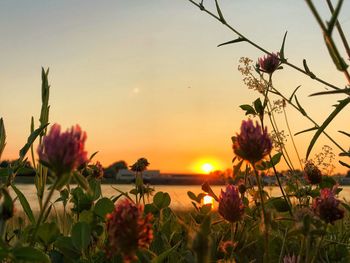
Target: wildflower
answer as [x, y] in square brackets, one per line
[326, 206]
[312, 173]
[140, 165]
[128, 230]
[63, 152]
[253, 143]
[230, 204]
[269, 63]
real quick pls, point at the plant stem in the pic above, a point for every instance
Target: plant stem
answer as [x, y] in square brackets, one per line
[281, 188]
[292, 137]
[42, 212]
[320, 243]
[284, 61]
[266, 244]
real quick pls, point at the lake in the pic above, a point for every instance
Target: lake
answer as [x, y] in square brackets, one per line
[178, 193]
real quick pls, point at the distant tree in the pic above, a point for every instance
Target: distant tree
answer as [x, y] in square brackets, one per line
[112, 170]
[348, 173]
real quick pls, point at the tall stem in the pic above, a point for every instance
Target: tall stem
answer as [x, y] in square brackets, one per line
[42, 212]
[266, 227]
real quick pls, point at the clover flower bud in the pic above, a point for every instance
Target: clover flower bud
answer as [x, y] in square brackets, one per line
[230, 204]
[253, 143]
[269, 63]
[140, 165]
[128, 230]
[312, 173]
[326, 206]
[97, 170]
[63, 152]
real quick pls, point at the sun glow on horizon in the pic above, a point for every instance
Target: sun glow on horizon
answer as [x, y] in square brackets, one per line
[207, 168]
[206, 165]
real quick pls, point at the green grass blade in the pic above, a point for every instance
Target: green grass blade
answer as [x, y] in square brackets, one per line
[24, 202]
[338, 109]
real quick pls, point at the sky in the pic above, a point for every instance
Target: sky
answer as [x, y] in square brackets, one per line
[146, 78]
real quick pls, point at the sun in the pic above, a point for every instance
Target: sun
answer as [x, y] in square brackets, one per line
[207, 168]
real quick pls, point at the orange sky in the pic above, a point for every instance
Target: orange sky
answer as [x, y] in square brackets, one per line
[145, 78]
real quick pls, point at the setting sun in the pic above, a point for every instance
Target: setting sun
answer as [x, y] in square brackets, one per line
[207, 168]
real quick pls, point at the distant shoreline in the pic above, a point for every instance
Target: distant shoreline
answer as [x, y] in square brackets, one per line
[176, 180]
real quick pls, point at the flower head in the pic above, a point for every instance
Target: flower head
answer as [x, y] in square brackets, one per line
[63, 152]
[326, 206]
[312, 173]
[128, 230]
[253, 143]
[230, 204]
[269, 63]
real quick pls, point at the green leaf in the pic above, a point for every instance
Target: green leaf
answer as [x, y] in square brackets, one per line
[164, 255]
[338, 109]
[24, 202]
[248, 109]
[302, 111]
[345, 133]
[2, 137]
[259, 108]
[5, 172]
[192, 196]
[334, 18]
[222, 19]
[329, 92]
[30, 141]
[103, 207]
[81, 233]
[307, 130]
[311, 75]
[237, 40]
[291, 96]
[45, 93]
[327, 182]
[65, 245]
[237, 168]
[81, 181]
[279, 204]
[92, 156]
[161, 200]
[344, 164]
[282, 47]
[48, 233]
[29, 254]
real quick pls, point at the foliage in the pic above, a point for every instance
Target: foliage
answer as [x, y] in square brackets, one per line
[306, 223]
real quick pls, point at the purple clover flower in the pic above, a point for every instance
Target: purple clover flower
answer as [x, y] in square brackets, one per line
[326, 206]
[230, 204]
[269, 63]
[63, 152]
[128, 230]
[253, 143]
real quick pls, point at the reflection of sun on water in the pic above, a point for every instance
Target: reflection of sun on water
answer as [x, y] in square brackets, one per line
[208, 200]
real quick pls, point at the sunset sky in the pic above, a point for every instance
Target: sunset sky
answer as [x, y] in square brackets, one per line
[146, 78]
